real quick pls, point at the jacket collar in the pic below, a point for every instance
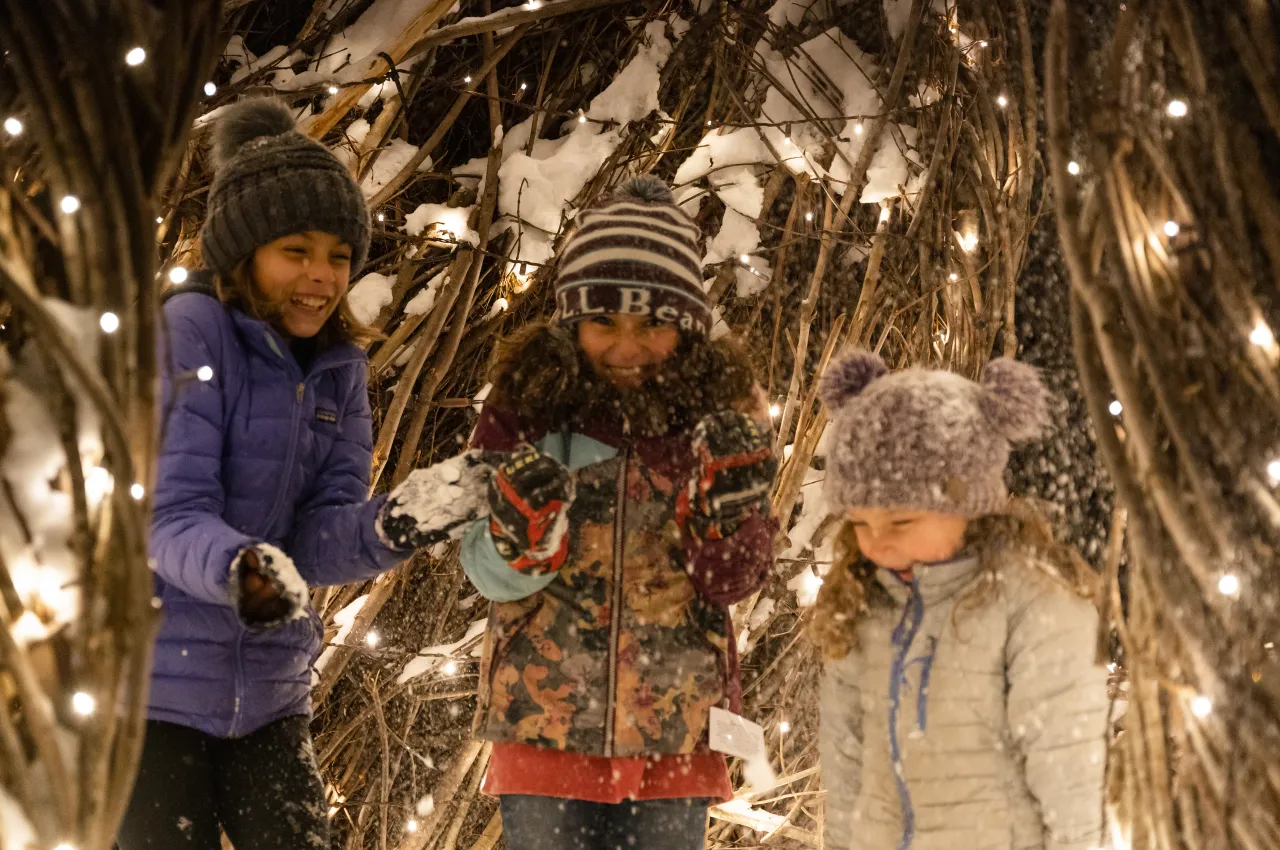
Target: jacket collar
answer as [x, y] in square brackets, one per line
[934, 582]
[267, 342]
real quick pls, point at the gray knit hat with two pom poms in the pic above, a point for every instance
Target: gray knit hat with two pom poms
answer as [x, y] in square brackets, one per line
[926, 439]
[270, 181]
[637, 253]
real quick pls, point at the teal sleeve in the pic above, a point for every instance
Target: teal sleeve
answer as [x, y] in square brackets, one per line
[491, 575]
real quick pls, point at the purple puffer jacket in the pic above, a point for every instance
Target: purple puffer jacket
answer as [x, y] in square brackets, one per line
[255, 452]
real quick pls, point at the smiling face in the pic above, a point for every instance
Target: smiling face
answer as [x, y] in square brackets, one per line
[626, 349]
[305, 276]
[897, 539]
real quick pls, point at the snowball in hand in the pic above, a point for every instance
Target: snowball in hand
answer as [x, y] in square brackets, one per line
[437, 503]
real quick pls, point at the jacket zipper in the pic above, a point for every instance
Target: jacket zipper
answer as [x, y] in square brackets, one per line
[287, 477]
[903, 636]
[615, 610]
[239, 687]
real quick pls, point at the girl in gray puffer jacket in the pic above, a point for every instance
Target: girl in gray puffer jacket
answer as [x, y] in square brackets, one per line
[962, 704]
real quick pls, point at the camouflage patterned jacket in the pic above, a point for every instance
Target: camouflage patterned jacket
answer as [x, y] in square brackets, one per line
[624, 650]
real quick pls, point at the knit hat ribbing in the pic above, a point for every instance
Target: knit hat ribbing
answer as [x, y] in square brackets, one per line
[634, 253]
[271, 181]
[926, 439]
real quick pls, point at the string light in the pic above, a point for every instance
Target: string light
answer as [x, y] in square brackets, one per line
[745, 259]
[884, 214]
[371, 639]
[524, 86]
[136, 56]
[982, 43]
[69, 204]
[1273, 471]
[205, 373]
[159, 219]
[1002, 101]
[969, 242]
[110, 322]
[1177, 108]
[775, 411]
[1262, 336]
[953, 277]
[708, 123]
[12, 126]
[582, 119]
[178, 274]
[411, 826]
[382, 216]
[137, 491]
[1201, 706]
[210, 89]
[65, 846]
[533, 4]
[97, 483]
[333, 89]
[1073, 168]
[467, 78]
[83, 703]
[1171, 228]
[449, 668]
[783, 727]
[857, 129]
[808, 216]
[1229, 585]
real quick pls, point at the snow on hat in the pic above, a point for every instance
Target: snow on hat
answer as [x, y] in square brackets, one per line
[926, 439]
[270, 181]
[634, 253]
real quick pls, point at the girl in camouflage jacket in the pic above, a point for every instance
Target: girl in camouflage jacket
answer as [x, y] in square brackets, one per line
[629, 508]
[961, 703]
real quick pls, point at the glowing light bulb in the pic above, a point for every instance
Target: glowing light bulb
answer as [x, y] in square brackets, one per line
[333, 89]
[1171, 228]
[524, 86]
[83, 703]
[788, 140]
[382, 216]
[1201, 706]
[110, 323]
[65, 846]
[1229, 585]
[159, 219]
[953, 276]
[582, 119]
[137, 491]
[1002, 101]
[784, 727]
[857, 129]
[205, 373]
[1073, 168]
[1116, 408]
[982, 43]
[808, 216]
[744, 259]
[411, 826]
[178, 274]
[775, 411]
[1177, 108]
[69, 204]
[467, 78]
[969, 242]
[136, 56]
[12, 126]
[371, 639]
[533, 4]
[1273, 471]
[449, 668]
[210, 89]
[1262, 336]
[884, 213]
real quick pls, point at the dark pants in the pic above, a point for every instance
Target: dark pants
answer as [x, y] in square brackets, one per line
[264, 790]
[552, 823]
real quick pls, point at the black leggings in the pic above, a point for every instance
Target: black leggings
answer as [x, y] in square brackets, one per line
[264, 790]
[551, 823]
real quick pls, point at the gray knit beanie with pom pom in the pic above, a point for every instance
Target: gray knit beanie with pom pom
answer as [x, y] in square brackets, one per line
[270, 181]
[926, 439]
[637, 253]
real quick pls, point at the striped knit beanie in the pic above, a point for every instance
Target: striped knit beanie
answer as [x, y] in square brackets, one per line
[635, 253]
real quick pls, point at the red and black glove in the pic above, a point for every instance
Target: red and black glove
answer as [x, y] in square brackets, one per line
[733, 476]
[529, 499]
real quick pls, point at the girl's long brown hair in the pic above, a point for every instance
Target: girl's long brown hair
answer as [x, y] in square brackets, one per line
[239, 290]
[850, 588]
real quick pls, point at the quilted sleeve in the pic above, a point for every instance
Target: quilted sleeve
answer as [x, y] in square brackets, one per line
[840, 749]
[1057, 710]
[335, 539]
[191, 546]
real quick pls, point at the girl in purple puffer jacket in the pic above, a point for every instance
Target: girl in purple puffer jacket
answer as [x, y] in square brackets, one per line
[261, 492]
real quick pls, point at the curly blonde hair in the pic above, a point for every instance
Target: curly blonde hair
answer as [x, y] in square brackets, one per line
[850, 588]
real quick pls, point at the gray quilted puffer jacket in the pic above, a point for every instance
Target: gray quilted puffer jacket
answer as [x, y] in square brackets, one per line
[955, 725]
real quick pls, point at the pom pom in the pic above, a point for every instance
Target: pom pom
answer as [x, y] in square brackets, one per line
[1014, 400]
[646, 187]
[246, 121]
[849, 375]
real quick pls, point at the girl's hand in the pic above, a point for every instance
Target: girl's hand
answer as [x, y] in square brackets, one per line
[261, 599]
[734, 473]
[529, 499]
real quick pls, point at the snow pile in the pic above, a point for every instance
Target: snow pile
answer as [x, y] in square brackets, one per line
[386, 165]
[16, 832]
[436, 656]
[813, 511]
[344, 620]
[760, 616]
[369, 295]
[422, 303]
[633, 94]
[443, 222]
[35, 545]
